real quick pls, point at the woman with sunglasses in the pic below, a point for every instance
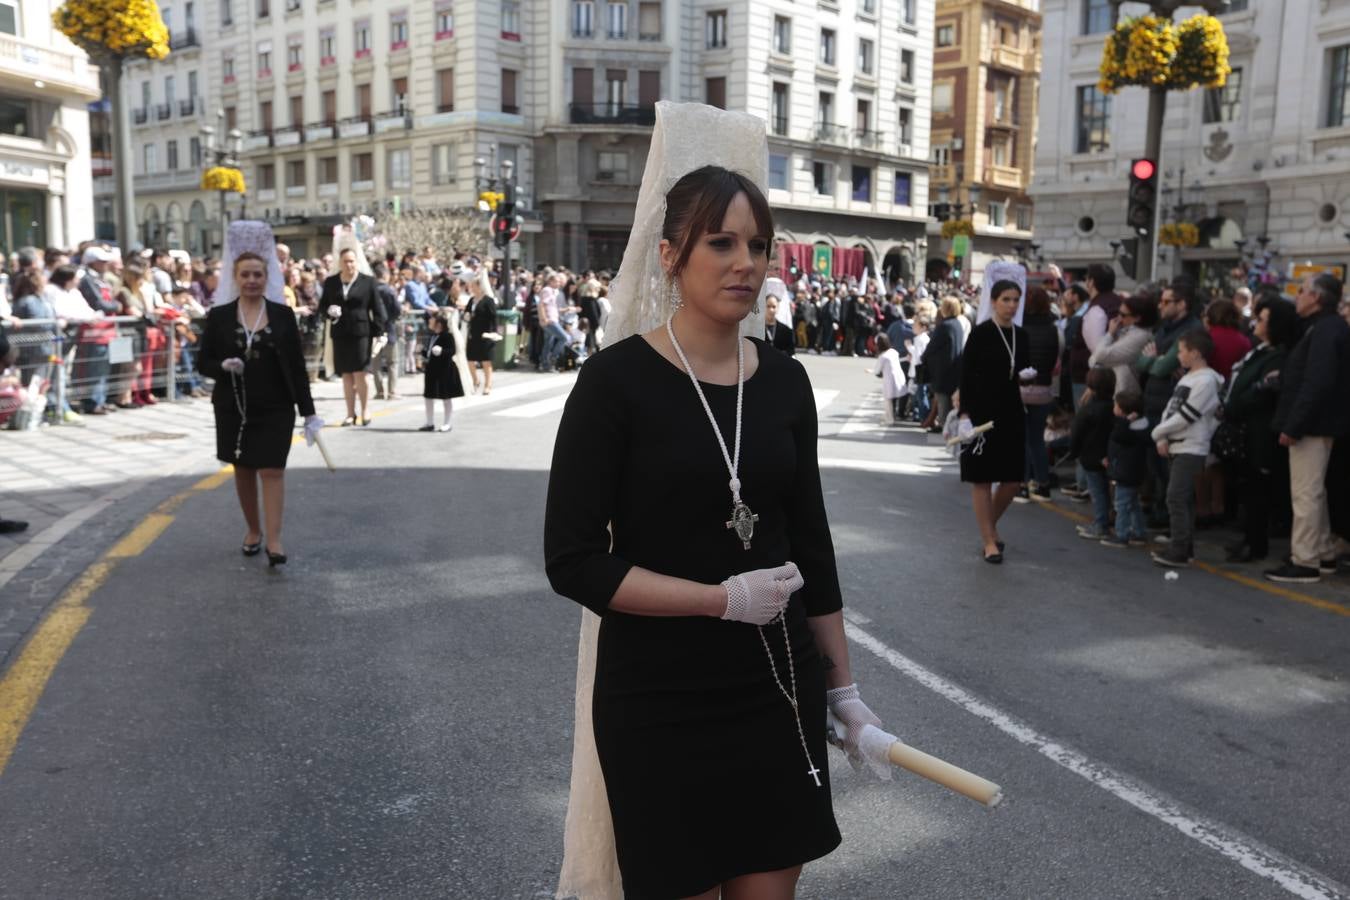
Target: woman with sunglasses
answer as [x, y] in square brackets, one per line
[1126, 336]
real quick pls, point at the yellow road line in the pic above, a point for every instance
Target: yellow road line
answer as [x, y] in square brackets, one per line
[1330, 606]
[142, 536]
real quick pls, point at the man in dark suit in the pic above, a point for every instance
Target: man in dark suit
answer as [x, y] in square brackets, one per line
[777, 334]
[350, 299]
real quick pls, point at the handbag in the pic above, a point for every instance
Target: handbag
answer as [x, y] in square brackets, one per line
[1230, 441]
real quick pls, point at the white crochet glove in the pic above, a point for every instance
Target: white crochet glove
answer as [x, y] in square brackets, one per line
[850, 716]
[759, 597]
[377, 345]
[436, 350]
[334, 312]
[234, 365]
[965, 430]
[1027, 374]
[313, 425]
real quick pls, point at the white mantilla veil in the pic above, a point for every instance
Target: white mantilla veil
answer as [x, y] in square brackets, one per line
[687, 136]
[994, 272]
[345, 239]
[249, 236]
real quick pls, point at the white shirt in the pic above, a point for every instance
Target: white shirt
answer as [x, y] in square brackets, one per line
[69, 304]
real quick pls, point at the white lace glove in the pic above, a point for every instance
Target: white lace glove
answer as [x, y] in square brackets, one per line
[758, 597]
[313, 425]
[436, 350]
[334, 312]
[1027, 374]
[377, 345]
[234, 365]
[849, 717]
[964, 430]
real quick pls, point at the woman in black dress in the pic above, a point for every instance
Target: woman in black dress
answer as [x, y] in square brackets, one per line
[352, 301]
[713, 782]
[440, 375]
[251, 347]
[482, 320]
[993, 366]
[778, 335]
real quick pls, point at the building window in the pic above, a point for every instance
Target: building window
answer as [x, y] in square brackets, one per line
[328, 104]
[194, 153]
[904, 188]
[171, 155]
[400, 167]
[611, 165]
[822, 179]
[227, 68]
[1094, 115]
[363, 167]
[649, 21]
[778, 172]
[297, 110]
[1024, 218]
[780, 108]
[715, 92]
[264, 9]
[1224, 104]
[1096, 16]
[942, 154]
[868, 7]
[231, 118]
[583, 19]
[445, 90]
[267, 177]
[998, 213]
[906, 126]
[649, 88]
[328, 170]
[509, 102]
[226, 13]
[294, 54]
[398, 90]
[295, 173]
[865, 56]
[1002, 95]
[825, 108]
[265, 114]
[445, 21]
[265, 59]
[1237, 6]
[1000, 151]
[946, 35]
[1338, 95]
[327, 47]
[443, 163]
[617, 17]
[398, 30]
[616, 90]
[510, 20]
[361, 38]
[862, 184]
[862, 119]
[363, 100]
[715, 26]
[782, 35]
[907, 66]
[827, 46]
[909, 11]
[942, 97]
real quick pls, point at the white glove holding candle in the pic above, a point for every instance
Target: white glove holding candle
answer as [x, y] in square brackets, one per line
[313, 425]
[377, 345]
[759, 596]
[334, 312]
[852, 714]
[436, 350]
[234, 365]
[1027, 374]
[965, 430]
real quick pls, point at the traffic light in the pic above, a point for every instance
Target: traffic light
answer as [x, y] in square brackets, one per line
[502, 227]
[1141, 211]
[1129, 257]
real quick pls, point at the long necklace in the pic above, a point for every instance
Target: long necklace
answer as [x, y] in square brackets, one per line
[1012, 349]
[239, 388]
[743, 520]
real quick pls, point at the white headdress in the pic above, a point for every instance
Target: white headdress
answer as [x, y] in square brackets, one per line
[345, 239]
[687, 136]
[248, 236]
[994, 272]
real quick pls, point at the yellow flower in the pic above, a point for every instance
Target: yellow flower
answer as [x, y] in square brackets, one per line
[125, 29]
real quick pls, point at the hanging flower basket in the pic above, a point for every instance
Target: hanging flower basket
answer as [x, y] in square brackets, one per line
[1152, 51]
[114, 29]
[954, 227]
[223, 178]
[1179, 234]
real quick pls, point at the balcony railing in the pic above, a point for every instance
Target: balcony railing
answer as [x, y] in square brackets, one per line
[1005, 176]
[185, 39]
[320, 131]
[392, 121]
[163, 111]
[617, 34]
[289, 136]
[356, 126]
[510, 109]
[830, 134]
[258, 140]
[652, 36]
[140, 116]
[187, 107]
[779, 124]
[868, 140]
[611, 114]
[585, 33]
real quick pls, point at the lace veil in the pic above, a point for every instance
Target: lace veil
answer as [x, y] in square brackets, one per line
[345, 239]
[687, 136]
[248, 236]
[1001, 270]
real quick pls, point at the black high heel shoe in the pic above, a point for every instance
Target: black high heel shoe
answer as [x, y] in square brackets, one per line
[251, 549]
[275, 559]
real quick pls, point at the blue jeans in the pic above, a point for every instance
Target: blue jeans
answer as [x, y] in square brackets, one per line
[188, 380]
[1038, 460]
[95, 359]
[555, 341]
[1100, 491]
[1129, 514]
[920, 406]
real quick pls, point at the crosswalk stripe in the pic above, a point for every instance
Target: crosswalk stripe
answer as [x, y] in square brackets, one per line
[824, 399]
[535, 409]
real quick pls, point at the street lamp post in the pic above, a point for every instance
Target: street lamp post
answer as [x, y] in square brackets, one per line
[946, 211]
[486, 179]
[225, 153]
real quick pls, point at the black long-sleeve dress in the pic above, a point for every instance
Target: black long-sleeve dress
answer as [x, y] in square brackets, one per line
[703, 766]
[991, 391]
[440, 375]
[482, 319]
[273, 385]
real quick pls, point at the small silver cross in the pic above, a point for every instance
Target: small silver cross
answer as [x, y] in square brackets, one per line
[814, 773]
[743, 521]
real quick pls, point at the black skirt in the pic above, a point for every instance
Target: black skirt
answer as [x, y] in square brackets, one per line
[267, 436]
[350, 354]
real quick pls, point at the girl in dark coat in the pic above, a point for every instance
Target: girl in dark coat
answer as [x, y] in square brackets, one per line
[439, 373]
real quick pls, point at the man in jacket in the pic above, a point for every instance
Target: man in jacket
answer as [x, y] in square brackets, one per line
[95, 337]
[1311, 414]
[1160, 370]
[389, 353]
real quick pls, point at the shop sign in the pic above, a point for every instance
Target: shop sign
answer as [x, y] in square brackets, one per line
[25, 172]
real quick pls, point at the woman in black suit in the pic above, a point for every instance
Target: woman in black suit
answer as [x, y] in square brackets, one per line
[482, 320]
[251, 347]
[777, 335]
[351, 300]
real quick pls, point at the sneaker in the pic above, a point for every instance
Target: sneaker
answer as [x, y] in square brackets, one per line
[1171, 559]
[1022, 496]
[1293, 574]
[1327, 566]
[1162, 537]
[444, 428]
[1118, 543]
[1091, 533]
[1040, 494]
[427, 428]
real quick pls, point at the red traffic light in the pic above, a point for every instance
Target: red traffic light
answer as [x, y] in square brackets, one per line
[1144, 169]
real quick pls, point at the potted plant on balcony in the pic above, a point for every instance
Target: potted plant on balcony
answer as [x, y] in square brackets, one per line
[112, 32]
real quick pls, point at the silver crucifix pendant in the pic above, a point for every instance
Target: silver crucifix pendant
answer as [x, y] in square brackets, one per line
[743, 520]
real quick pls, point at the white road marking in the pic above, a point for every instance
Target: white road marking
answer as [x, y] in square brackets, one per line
[537, 408]
[823, 399]
[877, 465]
[1294, 878]
[866, 418]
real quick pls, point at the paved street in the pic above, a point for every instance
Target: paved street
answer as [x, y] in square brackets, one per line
[391, 715]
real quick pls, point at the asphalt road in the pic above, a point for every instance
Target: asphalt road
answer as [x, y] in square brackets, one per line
[391, 716]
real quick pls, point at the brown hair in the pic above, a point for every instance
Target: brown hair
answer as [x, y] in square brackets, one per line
[1223, 313]
[245, 257]
[698, 203]
[1038, 302]
[1102, 382]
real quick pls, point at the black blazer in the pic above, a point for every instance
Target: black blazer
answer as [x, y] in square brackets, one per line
[783, 339]
[221, 340]
[362, 311]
